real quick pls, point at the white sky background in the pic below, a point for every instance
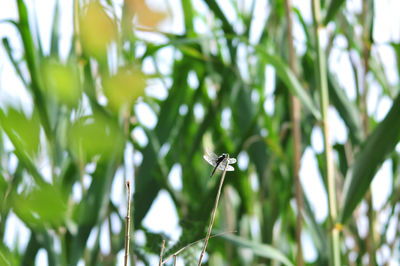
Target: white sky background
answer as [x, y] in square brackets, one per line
[387, 28]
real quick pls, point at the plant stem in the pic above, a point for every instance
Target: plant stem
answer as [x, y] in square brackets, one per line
[324, 98]
[161, 253]
[295, 116]
[128, 225]
[174, 255]
[213, 213]
[371, 245]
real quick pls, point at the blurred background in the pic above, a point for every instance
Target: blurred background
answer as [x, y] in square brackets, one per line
[95, 93]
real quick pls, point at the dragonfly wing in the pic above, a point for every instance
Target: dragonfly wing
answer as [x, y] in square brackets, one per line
[232, 160]
[228, 167]
[210, 160]
[221, 167]
[211, 155]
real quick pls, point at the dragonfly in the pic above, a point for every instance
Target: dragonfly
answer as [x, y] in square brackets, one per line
[219, 162]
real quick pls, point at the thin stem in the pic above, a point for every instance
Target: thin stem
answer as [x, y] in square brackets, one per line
[366, 53]
[191, 244]
[213, 213]
[161, 252]
[371, 245]
[324, 98]
[77, 43]
[128, 224]
[295, 116]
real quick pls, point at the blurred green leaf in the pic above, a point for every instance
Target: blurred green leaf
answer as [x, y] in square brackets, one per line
[62, 81]
[124, 88]
[93, 208]
[42, 205]
[7, 47]
[94, 135]
[31, 60]
[55, 33]
[316, 230]
[377, 69]
[376, 148]
[16, 130]
[347, 110]
[291, 81]
[258, 249]
[396, 48]
[147, 186]
[5, 257]
[21, 128]
[333, 9]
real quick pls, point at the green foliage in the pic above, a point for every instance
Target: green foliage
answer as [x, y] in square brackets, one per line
[29, 206]
[62, 82]
[213, 94]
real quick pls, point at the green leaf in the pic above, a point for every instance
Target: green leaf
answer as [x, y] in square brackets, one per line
[124, 87]
[40, 206]
[24, 135]
[94, 135]
[376, 67]
[21, 128]
[187, 9]
[396, 48]
[6, 257]
[291, 81]
[347, 110]
[55, 31]
[6, 44]
[376, 148]
[147, 186]
[31, 251]
[61, 81]
[31, 60]
[262, 250]
[39, 239]
[333, 10]
[94, 206]
[316, 230]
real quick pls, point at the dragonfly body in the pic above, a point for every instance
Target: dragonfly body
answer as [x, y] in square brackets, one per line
[219, 162]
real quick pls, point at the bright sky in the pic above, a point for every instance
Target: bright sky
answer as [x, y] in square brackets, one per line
[387, 28]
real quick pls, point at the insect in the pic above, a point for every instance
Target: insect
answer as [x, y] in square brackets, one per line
[219, 162]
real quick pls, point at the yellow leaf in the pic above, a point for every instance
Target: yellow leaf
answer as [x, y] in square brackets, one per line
[97, 30]
[124, 88]
[146, 16]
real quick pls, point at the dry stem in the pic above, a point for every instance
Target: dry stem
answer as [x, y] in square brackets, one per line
[128, 224]
[213, 213]
[161, 252]
[191, 244]
[295, 116]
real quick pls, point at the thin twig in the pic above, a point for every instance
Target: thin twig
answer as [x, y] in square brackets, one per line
[213, 213]
[191, 244]
[296, 129]
[161, 252]
[128, 224]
